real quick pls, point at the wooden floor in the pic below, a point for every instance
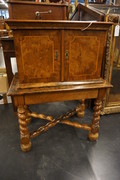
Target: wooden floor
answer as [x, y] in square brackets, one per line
[63, 153]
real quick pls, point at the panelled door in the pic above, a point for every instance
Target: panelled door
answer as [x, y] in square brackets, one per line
[83, 54]
[59, 55]
[38, 56]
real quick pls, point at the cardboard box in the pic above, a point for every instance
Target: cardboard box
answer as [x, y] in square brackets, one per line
[3, 81]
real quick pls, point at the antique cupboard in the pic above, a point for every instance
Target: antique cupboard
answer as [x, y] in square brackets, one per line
[51, 59]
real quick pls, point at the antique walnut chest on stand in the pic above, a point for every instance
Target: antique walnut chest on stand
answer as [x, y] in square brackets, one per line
[59, 61]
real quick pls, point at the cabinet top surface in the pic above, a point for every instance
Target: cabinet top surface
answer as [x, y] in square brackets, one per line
[26, 24]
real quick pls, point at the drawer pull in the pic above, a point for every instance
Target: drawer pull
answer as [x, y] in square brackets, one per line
[38, 13]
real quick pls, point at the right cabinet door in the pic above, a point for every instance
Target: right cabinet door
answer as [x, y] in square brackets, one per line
[83, 54]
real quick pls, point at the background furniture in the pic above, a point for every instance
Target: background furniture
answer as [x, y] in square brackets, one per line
[36, 10]
[3, 84]
[8, 50]
[117, 2]
[84, 13]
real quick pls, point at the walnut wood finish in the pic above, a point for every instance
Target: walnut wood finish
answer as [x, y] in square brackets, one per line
[26, 10]
[20, 99]
[24, 133]
[36, 10]
[81, 108]
[93, 134]
[65, 70]
[5, 101]
[60, 69]
[28, 118]
[86, 13]
[117, 2]
[3, 31]
[56, 121]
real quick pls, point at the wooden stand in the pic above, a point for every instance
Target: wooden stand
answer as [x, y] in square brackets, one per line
[38, 95]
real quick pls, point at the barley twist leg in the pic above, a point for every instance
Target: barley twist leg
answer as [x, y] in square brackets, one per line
[94, 133]
[28, 118]
[24, 133]
[81, 108]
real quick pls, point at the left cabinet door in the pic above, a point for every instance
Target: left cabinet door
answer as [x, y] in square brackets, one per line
[38, 56]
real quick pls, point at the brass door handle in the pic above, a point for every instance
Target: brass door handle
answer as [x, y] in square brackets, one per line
[38, 13]
[66, 54]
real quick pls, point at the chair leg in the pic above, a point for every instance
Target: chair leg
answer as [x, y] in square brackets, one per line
[94, 133]
[5, 99]
[24, 133]
[81, 108]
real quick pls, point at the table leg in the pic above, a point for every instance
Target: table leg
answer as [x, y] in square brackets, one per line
[94, 133]
[81, 108]
[5, 99]
[28, 118]
[24, 132]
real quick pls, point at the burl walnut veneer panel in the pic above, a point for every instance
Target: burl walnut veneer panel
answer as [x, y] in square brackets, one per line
[55, 51]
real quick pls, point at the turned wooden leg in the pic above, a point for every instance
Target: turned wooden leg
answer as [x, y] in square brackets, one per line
[5, 99]
[94, 133]
[28, 118]
[24, 133]
[81, 108]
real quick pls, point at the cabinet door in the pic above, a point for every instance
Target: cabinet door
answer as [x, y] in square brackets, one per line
[83, 54]
[38, 56]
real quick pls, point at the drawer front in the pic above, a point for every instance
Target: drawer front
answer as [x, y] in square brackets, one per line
[34, 11]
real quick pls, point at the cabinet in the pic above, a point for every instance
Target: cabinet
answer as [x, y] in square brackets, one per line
[49, 53]
[59, 61]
